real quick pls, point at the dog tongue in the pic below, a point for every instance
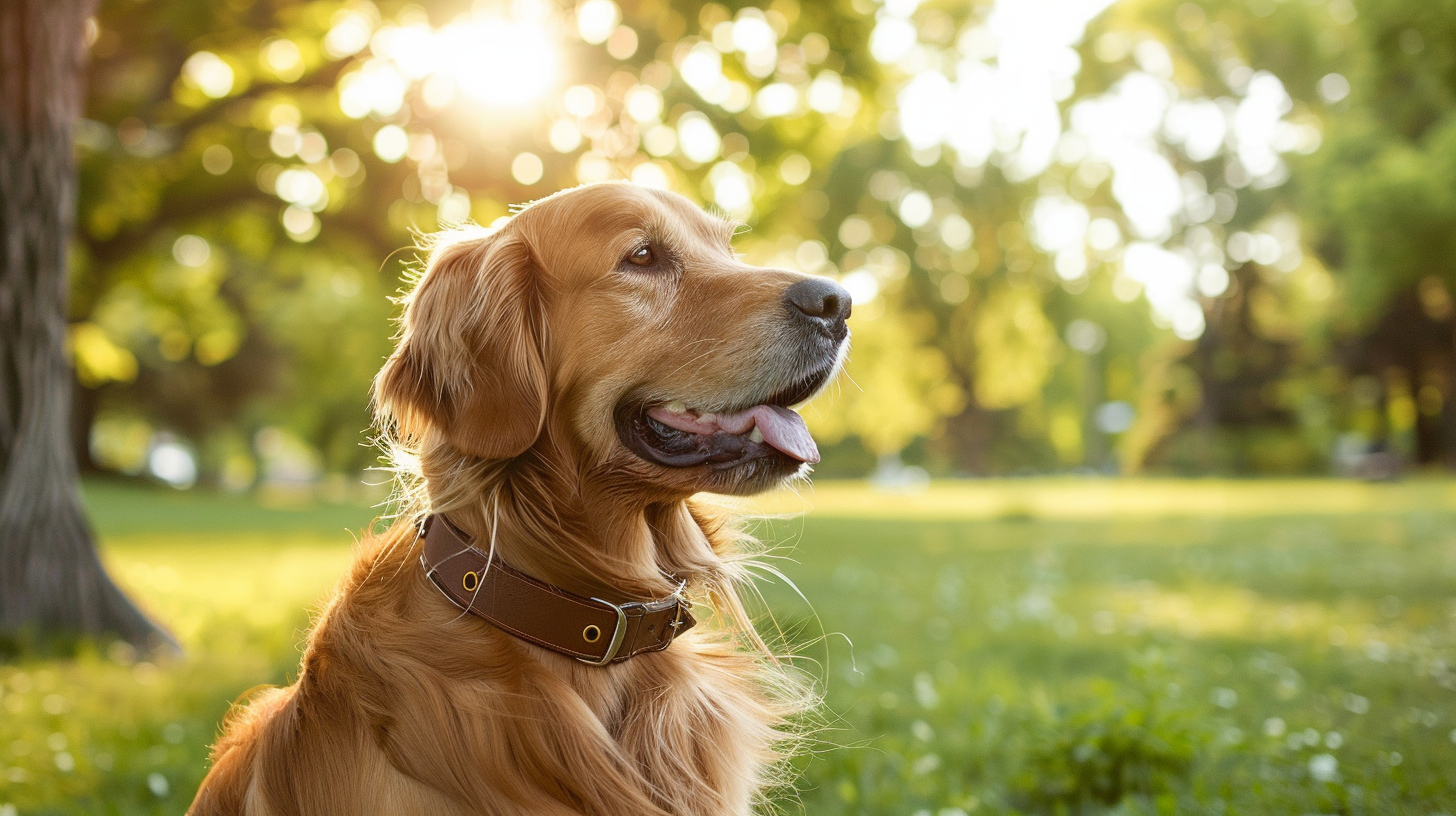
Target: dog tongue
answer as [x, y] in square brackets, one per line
[782, 429]
[786, 431]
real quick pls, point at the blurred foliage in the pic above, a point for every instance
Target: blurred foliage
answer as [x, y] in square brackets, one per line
[1116, 746]
[1019, 647]
[1178, 235]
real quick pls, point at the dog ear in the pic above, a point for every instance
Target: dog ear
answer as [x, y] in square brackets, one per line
[468, 363]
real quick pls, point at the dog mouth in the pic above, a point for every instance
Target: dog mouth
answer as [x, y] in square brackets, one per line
[677, 435]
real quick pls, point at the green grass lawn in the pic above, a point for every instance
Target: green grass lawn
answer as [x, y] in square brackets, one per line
[1031, 646]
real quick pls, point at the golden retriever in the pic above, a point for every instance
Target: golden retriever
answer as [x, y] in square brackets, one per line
[562, 386]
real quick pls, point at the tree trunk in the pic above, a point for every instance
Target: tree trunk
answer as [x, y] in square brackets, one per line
[85, 405]
[52, 584]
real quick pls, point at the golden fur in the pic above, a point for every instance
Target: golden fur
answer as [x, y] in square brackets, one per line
[515, 348]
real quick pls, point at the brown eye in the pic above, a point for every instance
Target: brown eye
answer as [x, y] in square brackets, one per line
[642, 256]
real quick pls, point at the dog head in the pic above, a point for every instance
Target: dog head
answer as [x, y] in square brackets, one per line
[616, 323]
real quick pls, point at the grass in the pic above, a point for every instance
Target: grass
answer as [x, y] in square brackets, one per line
[1004, 647]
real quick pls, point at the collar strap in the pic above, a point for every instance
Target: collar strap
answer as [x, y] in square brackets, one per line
[589, 629]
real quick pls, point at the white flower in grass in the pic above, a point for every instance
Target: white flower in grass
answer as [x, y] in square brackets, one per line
[158, 785]
[1323, 767]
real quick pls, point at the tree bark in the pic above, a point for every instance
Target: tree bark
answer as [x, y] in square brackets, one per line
[52, 583]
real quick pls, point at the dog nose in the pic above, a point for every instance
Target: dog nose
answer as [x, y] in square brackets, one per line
[821, 299]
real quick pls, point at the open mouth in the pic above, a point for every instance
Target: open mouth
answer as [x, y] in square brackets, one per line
[675, 434]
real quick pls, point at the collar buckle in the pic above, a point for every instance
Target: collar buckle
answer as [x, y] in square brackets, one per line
[619, 634]
[542, 614]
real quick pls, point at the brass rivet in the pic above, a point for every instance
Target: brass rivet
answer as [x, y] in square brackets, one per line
[470, 581]
[592, 633]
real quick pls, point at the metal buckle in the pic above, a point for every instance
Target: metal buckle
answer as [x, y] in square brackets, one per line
[620, 633]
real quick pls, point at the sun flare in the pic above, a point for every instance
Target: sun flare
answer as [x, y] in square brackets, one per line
[502, 60]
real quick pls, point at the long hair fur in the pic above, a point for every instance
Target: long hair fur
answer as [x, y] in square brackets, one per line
[405, 705]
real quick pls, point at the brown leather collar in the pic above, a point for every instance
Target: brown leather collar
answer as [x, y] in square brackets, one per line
[589, 629]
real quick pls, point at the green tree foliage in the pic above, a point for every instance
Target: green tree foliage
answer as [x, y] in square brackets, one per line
[1382, 211]
[1015, 349]
[1355, 337]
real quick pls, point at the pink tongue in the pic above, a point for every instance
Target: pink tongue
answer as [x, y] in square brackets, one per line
[783, 429]
[786, 431]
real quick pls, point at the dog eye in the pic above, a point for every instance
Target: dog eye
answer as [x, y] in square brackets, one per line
[642, 256]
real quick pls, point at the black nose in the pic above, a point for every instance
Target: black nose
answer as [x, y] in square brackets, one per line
[822, 301]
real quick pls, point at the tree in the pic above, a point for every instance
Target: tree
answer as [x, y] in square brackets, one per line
[1036, 173]
[1357, 336]
[51, 579]
[1382, 214]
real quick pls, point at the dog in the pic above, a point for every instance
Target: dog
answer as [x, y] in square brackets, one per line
[561, 389]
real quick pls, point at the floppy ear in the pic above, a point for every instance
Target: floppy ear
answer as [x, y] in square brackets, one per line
[468, 364]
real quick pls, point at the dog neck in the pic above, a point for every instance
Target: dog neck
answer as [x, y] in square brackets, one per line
[563, 527]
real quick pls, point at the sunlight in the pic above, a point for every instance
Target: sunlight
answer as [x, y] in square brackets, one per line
[209, 73]
[500, 60]
[503, 60]
[597, 19]
[1002, 95]
[700, 142]
[732, 189]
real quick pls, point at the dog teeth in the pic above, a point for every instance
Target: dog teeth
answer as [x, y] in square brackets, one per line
[755, 435]
[677, 407]
[707, 418]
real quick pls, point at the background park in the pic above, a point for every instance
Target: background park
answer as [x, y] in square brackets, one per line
[1135, 495]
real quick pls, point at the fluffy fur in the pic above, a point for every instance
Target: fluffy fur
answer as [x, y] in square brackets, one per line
[515, 349]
